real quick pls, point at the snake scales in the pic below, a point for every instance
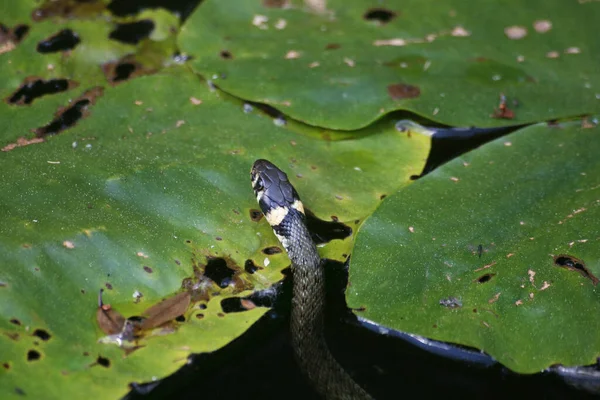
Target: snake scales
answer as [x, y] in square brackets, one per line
[284, 211]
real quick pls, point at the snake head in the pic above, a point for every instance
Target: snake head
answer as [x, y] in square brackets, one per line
[274, 192]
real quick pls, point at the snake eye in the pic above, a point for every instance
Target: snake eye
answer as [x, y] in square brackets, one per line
[258, 186]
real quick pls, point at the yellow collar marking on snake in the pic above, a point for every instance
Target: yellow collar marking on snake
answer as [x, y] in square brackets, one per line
[276, 215]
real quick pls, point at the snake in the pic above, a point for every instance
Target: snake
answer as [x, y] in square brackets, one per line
[284, 212]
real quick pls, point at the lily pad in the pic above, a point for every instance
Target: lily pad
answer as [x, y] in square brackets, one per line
[342, 64]
[498, 250]
[137, 197]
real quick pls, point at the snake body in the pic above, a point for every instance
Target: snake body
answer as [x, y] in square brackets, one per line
[284, 211]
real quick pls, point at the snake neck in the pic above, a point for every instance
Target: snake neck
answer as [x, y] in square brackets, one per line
[308, 303]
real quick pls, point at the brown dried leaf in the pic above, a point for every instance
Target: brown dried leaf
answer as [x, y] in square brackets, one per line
[166, 310]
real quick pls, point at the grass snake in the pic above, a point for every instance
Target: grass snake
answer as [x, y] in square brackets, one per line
[284, 211]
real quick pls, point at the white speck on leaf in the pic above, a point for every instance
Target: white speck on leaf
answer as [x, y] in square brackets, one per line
[459, 31]
[515, 32]
[292, 54]
[260, 21]
[542, 26]
[280, 24]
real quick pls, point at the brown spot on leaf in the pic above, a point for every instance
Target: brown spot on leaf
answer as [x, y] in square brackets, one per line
[166, 310]
[271, 250]
[403, 91]
[247, 304]
[575, 264]
[199, 316]
[128, 67]
[67, 9]
[275, 3]
[15, 321]
[66, 117]
[9, 38]
[255, 215]
[6, 366]
[333, 46]
[226, 55]
[109, 320]
[108, 285]
[503, 112]
[148, 269]
[21, 142]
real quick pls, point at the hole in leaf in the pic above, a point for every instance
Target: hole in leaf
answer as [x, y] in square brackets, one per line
[226, 55]
[232, 305]
[64, 40]
[217, 270]
[15, 321]
[103, 361]
[485, 278]
[33, 88]
[19, 32]
[67, 117]
[199, 316]
[271, 250]
[575, 264]
[9, 38]
[255, 215]
[33, 355]
[124, 8]
[123, 71]
[126, 68]
[132, 32]
[380, 15]
[180, 318]
[250, 267]
[325, 231]
[148, 269]
[42, 334]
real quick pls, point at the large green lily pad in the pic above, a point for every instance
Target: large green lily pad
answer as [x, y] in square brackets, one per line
[339, 64]
[136, 198]
[477, 252]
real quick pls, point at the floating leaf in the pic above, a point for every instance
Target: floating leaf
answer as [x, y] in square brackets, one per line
[342, 64]
[472, 253]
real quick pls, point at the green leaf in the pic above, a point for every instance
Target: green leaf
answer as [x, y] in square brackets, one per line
[531, 200]
[450, 61]
[137, 197]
